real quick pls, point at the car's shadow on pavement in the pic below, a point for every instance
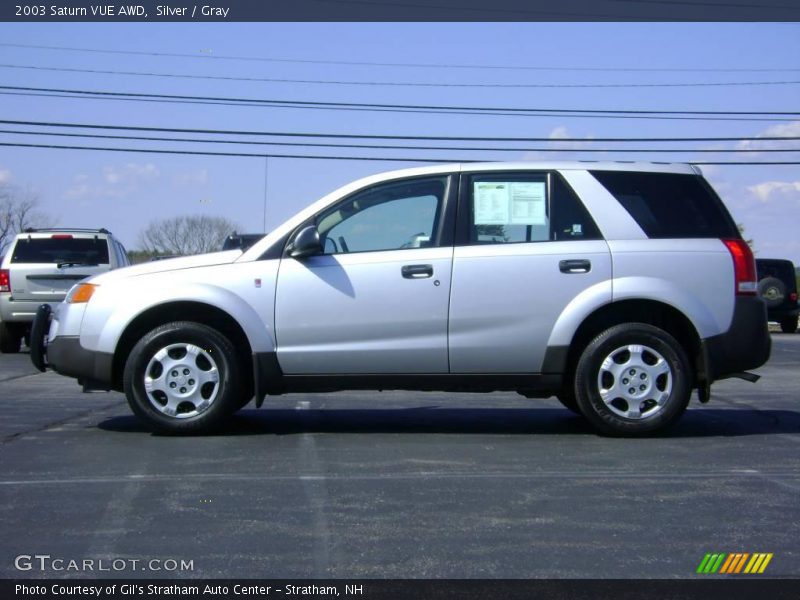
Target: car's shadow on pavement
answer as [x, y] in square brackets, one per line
[434, 419]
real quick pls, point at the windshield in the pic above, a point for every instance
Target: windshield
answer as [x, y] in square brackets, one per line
[91, 251]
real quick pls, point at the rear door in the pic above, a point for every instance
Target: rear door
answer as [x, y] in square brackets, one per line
[525, 248]
[44, 266]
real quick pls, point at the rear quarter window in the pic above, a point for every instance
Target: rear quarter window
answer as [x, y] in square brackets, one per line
[57, 250]
[670, 205]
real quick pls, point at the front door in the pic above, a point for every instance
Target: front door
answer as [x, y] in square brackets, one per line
[376, 300]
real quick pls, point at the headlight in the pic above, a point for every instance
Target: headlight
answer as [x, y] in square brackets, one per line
[80, 293]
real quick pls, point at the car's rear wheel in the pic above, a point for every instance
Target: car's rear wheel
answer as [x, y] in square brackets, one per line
[788, 324]
[10, 339]
[633, 379]
[183, 377]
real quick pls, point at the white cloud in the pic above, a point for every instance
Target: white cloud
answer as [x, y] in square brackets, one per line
[569, 148]
[791, 129]
[710, 171]
[130, 173]
[191, 177]
[5, 175]
[115, 181]
[767, 190]
[561, 132]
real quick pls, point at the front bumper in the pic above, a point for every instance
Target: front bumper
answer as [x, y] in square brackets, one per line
[746, 345]
[65, 355]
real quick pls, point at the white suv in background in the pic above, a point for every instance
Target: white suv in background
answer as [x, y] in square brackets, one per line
[41, 265]
[617, 287]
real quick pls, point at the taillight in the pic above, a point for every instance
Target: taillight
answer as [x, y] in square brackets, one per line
[793, 297]
[61, 236]
[5, 281]
[744, 267]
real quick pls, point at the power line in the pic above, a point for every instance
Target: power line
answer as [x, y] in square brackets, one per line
[398, 83]
[399, 137]
[440, 84]
[355, 106]
[235, 154]
[313, 157]
[491, 108]
[376, 83]
[401, 65]
[396, 147]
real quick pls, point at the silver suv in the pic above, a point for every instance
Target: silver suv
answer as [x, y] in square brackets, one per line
[617, 287]
[41, 265]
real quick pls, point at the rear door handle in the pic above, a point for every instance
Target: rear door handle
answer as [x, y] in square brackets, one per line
[417, 271]
[575, 266]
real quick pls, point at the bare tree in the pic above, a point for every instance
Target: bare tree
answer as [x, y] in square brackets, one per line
[193, 234]
[741, 230]
[19, 209]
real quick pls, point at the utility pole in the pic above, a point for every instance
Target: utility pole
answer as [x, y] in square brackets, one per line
[266, 174]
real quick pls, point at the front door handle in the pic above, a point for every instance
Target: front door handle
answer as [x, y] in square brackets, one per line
[575, 266]
[417, 271]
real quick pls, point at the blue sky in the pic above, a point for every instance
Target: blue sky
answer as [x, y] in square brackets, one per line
[124, 191]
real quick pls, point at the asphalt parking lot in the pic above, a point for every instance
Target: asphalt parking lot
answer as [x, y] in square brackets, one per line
[399, 484]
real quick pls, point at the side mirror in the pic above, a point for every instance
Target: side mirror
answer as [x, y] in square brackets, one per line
[305, 243]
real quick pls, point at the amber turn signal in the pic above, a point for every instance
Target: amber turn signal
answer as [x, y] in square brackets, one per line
[81, 293]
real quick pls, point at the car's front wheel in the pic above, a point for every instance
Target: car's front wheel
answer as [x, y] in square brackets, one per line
[183, 377]
[633, 379]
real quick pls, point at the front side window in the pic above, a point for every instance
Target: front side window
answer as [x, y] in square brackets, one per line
[390, 216]
[512, 208]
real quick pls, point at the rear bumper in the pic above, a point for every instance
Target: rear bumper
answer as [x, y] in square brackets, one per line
[19, 311]
[746, 345]
[776, 314]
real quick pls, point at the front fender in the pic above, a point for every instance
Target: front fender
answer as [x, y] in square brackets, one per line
[112, 310]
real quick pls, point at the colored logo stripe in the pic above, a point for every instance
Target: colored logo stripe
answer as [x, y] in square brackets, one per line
[737, 562]
[710, 563]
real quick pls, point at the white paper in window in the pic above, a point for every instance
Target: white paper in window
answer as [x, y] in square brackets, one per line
[491, 203]
[528, 203]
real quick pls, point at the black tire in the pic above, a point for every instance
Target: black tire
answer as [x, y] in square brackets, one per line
[9, 339]
[215, 351]
[651, 382]
[772, 291]
[789, 324]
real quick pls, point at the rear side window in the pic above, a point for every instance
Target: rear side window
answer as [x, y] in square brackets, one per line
[509, 208]
[670, 205]
[61, 250]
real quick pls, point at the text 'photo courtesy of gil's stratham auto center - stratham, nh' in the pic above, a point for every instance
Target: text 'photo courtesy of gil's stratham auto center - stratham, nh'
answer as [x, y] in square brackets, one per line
[400, 300]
